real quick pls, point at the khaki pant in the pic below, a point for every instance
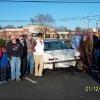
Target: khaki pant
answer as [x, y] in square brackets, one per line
[38, 64]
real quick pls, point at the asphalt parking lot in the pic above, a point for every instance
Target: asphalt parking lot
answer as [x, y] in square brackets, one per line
[62, 84]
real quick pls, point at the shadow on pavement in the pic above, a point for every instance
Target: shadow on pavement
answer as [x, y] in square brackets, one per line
[95, 76]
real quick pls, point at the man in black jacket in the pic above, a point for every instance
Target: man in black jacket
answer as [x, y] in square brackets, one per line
[96, 50]
[24, 57]
[15, 52]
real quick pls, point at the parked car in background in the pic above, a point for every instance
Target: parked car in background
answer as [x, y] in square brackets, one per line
[59, 54]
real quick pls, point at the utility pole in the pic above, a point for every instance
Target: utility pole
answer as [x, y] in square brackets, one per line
[97, 27]
[85, 26]
[88, 24]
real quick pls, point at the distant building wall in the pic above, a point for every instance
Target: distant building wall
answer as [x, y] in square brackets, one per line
[5, 33]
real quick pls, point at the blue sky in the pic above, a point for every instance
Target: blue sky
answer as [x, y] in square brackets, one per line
[25, 11]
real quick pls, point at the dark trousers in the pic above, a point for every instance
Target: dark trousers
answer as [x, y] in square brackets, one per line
[87, 62]
[23, 66]
[3, 73]
[97, 59]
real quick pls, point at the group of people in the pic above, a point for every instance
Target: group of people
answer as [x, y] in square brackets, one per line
[89, 47]
[23, 55]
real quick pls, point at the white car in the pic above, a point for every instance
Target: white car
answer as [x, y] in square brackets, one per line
[59, 55]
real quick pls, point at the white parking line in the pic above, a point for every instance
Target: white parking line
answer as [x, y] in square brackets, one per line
[30, 80]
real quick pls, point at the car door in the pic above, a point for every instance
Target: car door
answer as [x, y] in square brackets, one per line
[65, 58]
[48, 56]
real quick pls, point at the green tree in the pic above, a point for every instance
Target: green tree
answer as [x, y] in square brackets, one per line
[2, 43]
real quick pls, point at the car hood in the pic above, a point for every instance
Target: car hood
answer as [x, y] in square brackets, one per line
[60, 55]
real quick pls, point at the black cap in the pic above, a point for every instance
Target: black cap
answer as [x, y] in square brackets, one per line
[39, 34]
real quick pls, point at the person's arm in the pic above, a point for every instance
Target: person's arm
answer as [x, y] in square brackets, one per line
[0, 53]
[8, 50]
[90, 46]
[33, 46]
[25, 47]
[21, 50]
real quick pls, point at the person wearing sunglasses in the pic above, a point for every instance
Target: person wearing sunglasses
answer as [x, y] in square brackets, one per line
[30, 59]
[24, 57]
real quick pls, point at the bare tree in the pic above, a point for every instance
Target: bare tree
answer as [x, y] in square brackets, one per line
[1, 27]
[9, 26]
[20, 27]
[62, 28]
[44, 21]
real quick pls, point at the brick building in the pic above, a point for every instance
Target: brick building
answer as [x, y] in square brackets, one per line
[50, 33]
[5, 33]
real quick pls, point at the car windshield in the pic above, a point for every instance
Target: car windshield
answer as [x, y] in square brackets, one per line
[56, 45]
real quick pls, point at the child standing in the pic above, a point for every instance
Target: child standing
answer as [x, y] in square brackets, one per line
[3, 66]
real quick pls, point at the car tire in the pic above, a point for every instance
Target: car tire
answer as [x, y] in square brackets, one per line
[79, 65]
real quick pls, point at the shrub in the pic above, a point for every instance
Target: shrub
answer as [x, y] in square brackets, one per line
[2, 43]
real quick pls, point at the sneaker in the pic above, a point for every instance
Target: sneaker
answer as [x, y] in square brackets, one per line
[4, 81]
[1, 82]
[12, 79]
[18, 79]
[40, 75]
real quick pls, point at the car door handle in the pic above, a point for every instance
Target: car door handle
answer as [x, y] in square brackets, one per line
[51, 59]
[56, 58]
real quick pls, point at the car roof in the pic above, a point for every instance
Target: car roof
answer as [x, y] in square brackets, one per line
[60, 40]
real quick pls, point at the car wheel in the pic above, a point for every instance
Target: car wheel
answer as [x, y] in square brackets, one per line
[79, 65]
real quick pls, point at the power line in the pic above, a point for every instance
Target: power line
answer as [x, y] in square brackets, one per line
[48, 1]
[80, 18]
[63, 19]
[14, 20]
[55, 19]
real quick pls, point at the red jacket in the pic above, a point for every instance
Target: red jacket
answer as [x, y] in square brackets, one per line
[0, 52]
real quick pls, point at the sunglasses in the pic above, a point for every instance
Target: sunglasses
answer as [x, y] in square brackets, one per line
[13, 39]
[30, 35]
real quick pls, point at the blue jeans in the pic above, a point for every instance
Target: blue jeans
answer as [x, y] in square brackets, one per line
[30, 62]
[15, 64]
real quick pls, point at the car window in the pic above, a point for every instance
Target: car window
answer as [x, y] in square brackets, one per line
[68, 44]
[54, 46]
[46, 46]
